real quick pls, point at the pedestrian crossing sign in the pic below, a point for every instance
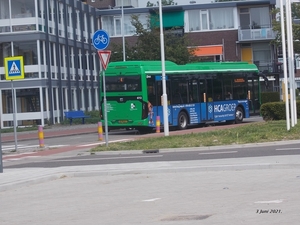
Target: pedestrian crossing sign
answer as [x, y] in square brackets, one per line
[14, 68]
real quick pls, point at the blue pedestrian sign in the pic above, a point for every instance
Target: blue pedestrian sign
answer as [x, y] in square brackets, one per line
[14, 68]
[100, 39]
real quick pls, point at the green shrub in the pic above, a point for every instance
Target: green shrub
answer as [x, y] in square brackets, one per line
[270, 97]
[276, 110]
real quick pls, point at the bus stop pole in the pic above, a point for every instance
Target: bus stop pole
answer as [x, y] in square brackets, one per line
[162, 50]
[105, 109]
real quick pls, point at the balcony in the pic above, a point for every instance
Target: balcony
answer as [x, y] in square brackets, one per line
[269, 66]
[255, 34]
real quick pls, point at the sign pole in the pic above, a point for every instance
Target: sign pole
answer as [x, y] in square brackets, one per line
[101, 41]
[105, 110]
[13, 100]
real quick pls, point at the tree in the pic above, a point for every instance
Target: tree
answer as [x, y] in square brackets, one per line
[147, 46]
[163, 2]
[295, 8]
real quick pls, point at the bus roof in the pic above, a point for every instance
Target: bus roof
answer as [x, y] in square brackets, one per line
[154, 67]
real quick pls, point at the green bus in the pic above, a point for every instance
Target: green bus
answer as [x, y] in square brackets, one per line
[197, 93]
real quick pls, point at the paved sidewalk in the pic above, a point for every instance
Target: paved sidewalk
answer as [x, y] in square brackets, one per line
[53, 131]
[262, 190]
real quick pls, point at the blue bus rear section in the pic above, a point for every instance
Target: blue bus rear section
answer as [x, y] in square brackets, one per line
[200, 113]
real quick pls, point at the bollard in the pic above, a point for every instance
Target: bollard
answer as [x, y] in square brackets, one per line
[157, 124]
[100, 131]
[41, 137]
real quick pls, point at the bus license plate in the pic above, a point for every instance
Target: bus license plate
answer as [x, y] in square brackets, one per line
[123, 121]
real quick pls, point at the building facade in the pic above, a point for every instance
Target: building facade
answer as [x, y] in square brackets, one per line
[220, 31]
[61, 65]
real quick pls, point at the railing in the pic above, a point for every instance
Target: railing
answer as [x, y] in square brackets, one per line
[256, 34]
[269, 66]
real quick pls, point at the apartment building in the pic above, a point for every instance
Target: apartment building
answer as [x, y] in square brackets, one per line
[220, 31]
[61, 66]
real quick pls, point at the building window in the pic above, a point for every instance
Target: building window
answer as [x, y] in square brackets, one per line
[212, 19]
[221, 18]
[22, 9]
[113, 24]
[28, 50]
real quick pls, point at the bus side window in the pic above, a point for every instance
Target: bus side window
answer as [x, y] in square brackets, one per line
[177, 98]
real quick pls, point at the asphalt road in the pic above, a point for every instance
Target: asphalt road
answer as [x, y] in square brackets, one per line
[91, 139]
[233, 152]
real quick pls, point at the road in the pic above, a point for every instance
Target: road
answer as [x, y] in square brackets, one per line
[91, 139]
[211, 153]
[75, 140]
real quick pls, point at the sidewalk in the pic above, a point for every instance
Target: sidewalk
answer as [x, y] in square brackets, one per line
[220, 191]
[53, 131]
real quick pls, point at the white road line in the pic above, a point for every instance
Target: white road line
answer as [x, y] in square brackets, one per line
[103, 142]
[272, 201]
[286, 149]
[107, 158]
[57, 146]
[213, 153]
[87, 145]
[151, 200]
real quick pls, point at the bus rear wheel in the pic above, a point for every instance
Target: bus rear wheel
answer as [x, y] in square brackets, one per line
[239, 115]
[182, 121]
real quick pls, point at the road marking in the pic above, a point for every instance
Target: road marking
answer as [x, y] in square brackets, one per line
[272, 201]
[107, 158]
[212, 153]
[57, 146]
[286, 149]
[103, 142]
[151, 200]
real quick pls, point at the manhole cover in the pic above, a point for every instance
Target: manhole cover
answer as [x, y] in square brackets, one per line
[186, 217]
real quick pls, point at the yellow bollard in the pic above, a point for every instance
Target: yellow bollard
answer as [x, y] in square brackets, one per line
[100, 131]
[41, 137]
[157, 124]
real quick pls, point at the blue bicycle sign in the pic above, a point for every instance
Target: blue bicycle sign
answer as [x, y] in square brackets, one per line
[100, 39]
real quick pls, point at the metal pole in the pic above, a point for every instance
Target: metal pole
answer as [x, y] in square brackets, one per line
[1, 161]
[13, 99]
[162, 50]
[123, 37]
[287, 112]
[105, 110]
[292, 58]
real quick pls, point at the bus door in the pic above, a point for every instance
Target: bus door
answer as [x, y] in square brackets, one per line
[206, 106]
[157, 101]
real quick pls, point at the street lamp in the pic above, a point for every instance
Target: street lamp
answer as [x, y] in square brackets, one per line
[123, 37]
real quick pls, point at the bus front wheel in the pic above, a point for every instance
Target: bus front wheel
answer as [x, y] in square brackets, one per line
[182, 121]
[239, 115]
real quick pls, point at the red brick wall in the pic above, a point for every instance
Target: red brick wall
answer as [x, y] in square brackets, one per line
[231, 49]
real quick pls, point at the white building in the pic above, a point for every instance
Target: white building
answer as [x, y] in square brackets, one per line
[61, 65]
